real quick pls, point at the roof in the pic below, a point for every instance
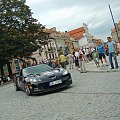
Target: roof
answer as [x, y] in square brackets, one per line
[51, 31]
[77, 33]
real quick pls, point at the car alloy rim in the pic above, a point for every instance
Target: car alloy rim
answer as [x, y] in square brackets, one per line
[27, 90]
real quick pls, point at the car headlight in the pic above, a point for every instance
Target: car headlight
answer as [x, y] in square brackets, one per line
[65, 72]
[33, 80]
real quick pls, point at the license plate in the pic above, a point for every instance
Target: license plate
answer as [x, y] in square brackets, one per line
[55, 82]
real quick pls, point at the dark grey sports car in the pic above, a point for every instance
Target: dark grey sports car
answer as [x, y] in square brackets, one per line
[41, 78]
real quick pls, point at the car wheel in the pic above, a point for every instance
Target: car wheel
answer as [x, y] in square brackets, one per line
[27, 90]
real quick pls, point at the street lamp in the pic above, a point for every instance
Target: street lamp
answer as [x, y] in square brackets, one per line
[114, 22]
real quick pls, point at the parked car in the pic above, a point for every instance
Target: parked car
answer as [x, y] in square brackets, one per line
[42, 78]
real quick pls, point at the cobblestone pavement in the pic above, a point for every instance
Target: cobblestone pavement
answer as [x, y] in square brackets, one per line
[93, 96]
[91, 67]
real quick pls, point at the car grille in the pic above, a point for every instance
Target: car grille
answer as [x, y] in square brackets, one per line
[46, 85]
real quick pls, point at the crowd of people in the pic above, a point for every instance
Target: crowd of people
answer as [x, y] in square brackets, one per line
[84, 55]
[80, 57]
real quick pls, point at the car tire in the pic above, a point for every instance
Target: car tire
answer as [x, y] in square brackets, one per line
[27, 90]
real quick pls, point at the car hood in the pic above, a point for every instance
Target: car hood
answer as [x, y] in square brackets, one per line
[47, 76]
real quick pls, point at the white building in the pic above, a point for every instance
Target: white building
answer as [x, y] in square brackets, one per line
[81, 36]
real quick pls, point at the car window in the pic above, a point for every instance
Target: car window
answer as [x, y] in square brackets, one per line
[36, 69]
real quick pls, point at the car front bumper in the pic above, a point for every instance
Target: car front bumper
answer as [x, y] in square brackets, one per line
[45, 87]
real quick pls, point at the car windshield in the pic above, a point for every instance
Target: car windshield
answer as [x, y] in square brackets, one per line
[36, 69]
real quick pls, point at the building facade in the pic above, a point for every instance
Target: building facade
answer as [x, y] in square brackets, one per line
[116, 34]
[81, 36]
[57, 42]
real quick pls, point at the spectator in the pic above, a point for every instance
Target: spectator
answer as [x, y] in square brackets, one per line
[88, 54]
[112, 52]
[106, 50]
[95, 57]
[70, 60]
[82, 61]
[101, 53]
[76, 56]
[62, 60]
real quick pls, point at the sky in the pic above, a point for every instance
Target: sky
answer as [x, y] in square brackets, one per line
[67, 15]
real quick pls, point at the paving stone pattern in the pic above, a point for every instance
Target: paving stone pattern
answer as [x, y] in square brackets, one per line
[93, 96]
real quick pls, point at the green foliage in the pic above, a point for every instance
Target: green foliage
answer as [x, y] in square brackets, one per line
[18, 30]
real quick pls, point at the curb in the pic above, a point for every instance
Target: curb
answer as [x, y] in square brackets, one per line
[104, 71]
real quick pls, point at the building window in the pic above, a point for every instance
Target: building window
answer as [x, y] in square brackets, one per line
[50, 56]
[55, 55]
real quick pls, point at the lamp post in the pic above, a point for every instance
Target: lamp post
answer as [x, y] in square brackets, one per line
[114, 22]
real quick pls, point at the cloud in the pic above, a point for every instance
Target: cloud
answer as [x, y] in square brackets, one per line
[68, 15]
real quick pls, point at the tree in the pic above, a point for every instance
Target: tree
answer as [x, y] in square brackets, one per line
[18, 31]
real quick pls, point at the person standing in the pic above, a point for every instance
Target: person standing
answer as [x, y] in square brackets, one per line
[76, 55]
[95, 57]
[112, 52]
[62, 60]
[70, 60]
[101, 53]
[82, 61]
[87, 54]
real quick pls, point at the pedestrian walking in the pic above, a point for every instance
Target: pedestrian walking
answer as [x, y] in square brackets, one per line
[112, 52]
[82, 61]
[101, 53]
